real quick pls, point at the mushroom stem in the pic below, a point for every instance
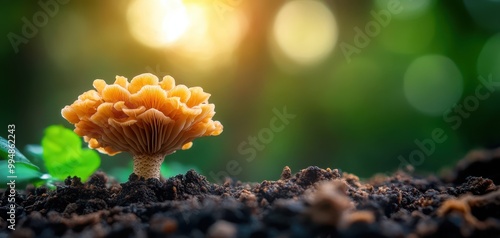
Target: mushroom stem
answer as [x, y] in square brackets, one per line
[148, 166]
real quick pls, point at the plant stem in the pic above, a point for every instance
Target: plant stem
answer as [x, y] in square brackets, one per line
[148, 166]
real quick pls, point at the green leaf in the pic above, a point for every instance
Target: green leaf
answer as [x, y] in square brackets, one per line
[63, 154]
[34, 151]
[18, 156]
[24, 174]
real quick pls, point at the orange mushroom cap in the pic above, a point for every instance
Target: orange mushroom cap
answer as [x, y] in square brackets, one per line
[145, 117]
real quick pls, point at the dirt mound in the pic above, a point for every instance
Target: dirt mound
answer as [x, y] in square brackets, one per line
[311, 202]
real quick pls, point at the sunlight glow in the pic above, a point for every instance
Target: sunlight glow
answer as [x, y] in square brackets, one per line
[191, 32]
[157, 23]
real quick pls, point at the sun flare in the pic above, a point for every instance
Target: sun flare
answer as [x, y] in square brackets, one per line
[157, 23]
[194, 32]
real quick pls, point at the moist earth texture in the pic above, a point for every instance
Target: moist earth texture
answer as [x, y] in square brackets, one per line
[313, 202]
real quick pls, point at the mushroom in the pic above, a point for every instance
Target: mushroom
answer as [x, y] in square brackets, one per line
[148, 118]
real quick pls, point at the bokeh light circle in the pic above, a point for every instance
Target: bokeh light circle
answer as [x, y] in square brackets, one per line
[157, 23]
[305, 31]
[489, 58]
[433, 84]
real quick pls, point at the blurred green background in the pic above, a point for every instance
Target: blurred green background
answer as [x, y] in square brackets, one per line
[369, 82]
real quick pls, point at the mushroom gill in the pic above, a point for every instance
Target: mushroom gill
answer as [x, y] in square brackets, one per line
[146, 117]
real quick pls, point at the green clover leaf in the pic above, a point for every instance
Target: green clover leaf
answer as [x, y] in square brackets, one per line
[63, 154]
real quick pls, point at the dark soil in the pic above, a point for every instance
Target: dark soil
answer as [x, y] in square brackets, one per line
[311, 203]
